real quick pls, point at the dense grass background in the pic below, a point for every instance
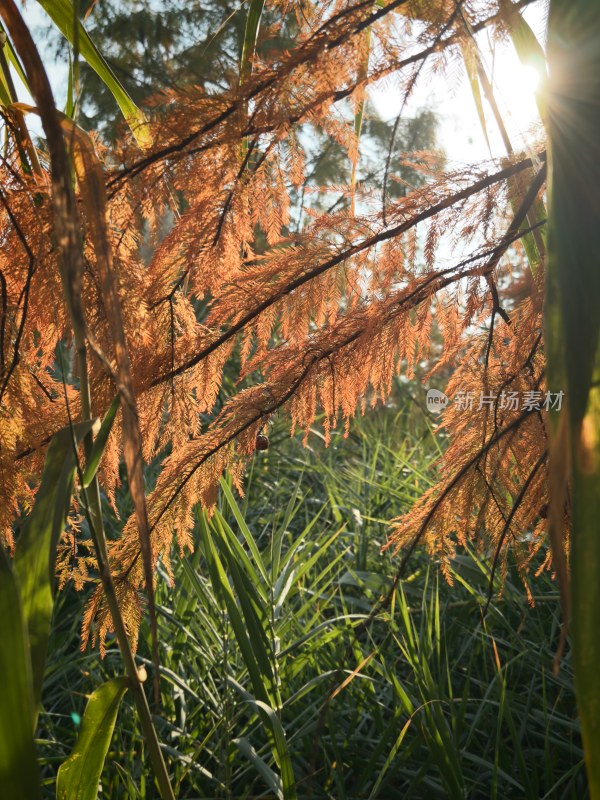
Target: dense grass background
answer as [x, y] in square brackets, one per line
[272, 681]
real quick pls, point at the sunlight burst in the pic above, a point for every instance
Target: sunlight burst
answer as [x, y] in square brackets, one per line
[516, 86]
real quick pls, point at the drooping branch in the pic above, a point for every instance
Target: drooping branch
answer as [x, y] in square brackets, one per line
[366, 244]
[300, 57]
[300, 362]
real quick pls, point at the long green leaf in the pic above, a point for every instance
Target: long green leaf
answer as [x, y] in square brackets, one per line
[284, 787]
[244, 529]
[5, 98]
[574, 248]
[253, 613]
[248, 617]
[255, 11]
[223, 590]
[79, 775]
[281, 751]
[36, 548]
[363, 72]
[248, 49]
[61, 13]
[13, 58]
[18, 764]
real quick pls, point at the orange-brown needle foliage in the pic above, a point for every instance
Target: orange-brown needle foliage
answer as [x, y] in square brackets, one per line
[320, 321]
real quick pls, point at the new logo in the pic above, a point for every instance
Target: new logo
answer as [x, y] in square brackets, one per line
[436, 401]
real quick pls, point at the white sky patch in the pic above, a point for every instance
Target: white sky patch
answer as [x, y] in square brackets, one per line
[450, 97]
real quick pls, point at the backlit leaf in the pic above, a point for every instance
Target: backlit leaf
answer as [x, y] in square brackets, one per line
[79, 775]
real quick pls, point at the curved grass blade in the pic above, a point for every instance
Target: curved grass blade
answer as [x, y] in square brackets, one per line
[270, 777]
[79, 775]
[281, 752]
[61, 13]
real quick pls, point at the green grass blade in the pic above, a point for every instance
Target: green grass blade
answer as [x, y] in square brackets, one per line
[574, 243]
[254, 616]
[388, 762]
[61, 13]
[255, 11]
[270, 777]
[223, 589]
[79, 775]
[13, 59]
[363, 72]
[36, 547]
[70, 102]
[244, 529]
[272, 721]
[5, 98]
[18, 764]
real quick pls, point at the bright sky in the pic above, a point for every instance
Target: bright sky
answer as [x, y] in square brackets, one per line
[460, 132]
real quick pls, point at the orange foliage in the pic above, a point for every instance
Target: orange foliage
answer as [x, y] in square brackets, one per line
[326, 317]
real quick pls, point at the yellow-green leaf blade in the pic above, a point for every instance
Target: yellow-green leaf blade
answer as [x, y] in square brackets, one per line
[79, 775]
[18, 764]
[470, 58]
[36, 547]
[61, 13]
[529, 50]
[255, 11]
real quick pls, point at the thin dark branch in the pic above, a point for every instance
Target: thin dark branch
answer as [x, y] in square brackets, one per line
[429, 279]
[520, 215]
[24, 294]
[430, 285]
[253, 90]
[407, 94]
[366, 244]
[514, 425]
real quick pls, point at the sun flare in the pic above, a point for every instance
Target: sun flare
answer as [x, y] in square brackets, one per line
[516, 86]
